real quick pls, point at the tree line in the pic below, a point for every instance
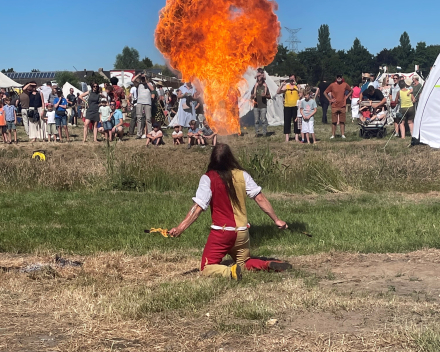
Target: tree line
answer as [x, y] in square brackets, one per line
[322, 62]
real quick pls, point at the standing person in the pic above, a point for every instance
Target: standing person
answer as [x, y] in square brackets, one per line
[3, 124]
[79, 103]
[71, 102]
[92, 111]
[407, 110]
[46, 90]
[338, 99]
[132, 98]
[322, 99]
[355, 103]
[24, 101]
[11, 120]
[186, 112]
[291, 96]
[104, 117]
[37, 126]
[260, 94]
[417, 90]
[394, 104]
[60, 106]
[308, 109]
[224, 187]
[200, 109]
[143, 106]
[118, 92]
[373, 81]
[51, 123]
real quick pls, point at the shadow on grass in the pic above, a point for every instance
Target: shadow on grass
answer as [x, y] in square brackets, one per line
[263, 234]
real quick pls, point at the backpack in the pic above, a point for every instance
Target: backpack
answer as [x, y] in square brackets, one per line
[33, 116]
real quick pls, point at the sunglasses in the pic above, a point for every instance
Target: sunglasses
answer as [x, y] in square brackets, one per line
[112, 104]
[95, 86]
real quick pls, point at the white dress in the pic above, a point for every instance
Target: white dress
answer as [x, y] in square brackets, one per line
[183, 117]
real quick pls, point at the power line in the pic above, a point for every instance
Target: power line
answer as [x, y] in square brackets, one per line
[293, 39]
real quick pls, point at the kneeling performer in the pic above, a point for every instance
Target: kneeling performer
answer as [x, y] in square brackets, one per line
[224, 187]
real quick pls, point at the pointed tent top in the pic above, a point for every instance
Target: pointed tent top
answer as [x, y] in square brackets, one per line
[6, 82]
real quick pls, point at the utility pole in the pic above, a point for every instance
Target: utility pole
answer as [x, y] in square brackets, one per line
[293, 39]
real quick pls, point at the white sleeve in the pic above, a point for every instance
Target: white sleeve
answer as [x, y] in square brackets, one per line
[203, 194]
[252, 189]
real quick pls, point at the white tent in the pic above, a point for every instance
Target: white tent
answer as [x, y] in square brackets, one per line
[388, 77]
[427, 120]
[66, 89]
[6, 82]
[275, 106]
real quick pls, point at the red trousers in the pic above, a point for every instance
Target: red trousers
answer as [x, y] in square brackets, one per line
[236, 244]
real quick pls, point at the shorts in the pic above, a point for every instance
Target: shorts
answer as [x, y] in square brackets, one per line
[408, 113]
[116, 129]
[61, 121]
[11, 125]
[308, 126]
[4, 129]
[342, 114]
[107, 125]
[52, 128]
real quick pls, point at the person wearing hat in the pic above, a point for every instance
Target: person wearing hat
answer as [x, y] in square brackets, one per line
[338, 100]
[365, 82]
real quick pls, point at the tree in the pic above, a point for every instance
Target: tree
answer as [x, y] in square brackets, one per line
[35, 70]
[386, 57]
[95, 78]
[358, 60]
[9, 70]
[310, 59]
[405, 52]
[324, 42]
[128, 59]
[285, 63]
[62, 77]
[146, 62]
[432, 51]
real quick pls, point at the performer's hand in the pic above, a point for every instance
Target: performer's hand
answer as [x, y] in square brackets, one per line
[175, 232]
[281, 224]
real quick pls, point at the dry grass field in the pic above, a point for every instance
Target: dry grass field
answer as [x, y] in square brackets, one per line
[367, 279]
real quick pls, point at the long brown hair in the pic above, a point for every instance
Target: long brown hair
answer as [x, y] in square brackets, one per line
[223, 162]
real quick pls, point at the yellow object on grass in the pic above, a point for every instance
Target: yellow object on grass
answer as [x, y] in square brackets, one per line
[39, 155]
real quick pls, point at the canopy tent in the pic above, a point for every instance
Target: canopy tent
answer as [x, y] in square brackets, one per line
[6, 82]
[275, 106]
[427, 119]
[66, 89]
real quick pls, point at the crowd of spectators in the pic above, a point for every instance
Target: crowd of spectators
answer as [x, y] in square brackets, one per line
[45, 113]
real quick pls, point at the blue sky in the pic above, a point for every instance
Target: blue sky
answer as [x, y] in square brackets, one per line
[57, 35]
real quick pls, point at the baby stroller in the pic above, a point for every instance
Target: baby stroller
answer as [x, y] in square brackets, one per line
[373, 122]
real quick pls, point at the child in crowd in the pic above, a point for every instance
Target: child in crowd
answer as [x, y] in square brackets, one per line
[116, 115]
[194, 135]
[104, 118]
[369, 114]
[60, 105]
[177, 135]
[3, 125]
[155, 136]
[11, 119]
[298, 120]
[208, 134]
[308, 109]
[51, 123]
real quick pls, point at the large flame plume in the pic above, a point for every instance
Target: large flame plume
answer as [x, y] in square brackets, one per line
[214, 42]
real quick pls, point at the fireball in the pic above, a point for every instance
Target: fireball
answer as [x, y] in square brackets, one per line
[214, 42]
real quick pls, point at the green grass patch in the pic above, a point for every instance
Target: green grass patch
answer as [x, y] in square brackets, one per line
[86, 223]
[428, 340]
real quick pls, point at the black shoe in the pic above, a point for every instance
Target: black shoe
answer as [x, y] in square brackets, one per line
[137, 137]
[279, 266]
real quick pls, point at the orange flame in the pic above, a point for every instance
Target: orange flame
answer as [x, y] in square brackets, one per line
[214, 42]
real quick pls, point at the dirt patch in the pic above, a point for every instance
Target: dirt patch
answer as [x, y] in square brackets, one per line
[331, 302]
